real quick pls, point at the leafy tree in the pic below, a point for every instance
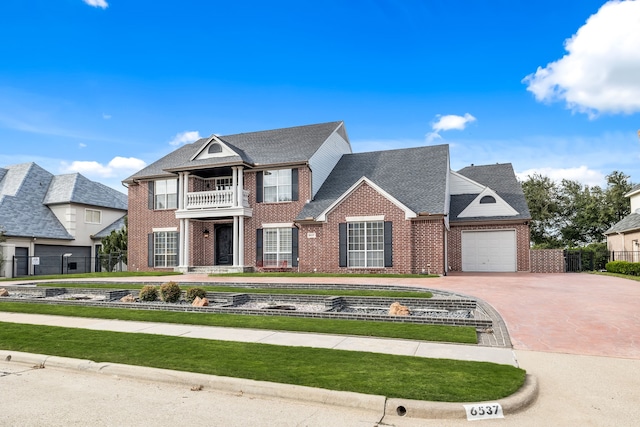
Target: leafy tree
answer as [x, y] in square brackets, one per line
[541, 194]
[114, 247]
[569, 214]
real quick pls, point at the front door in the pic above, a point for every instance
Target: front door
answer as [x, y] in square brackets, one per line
[22, 262]
[224, 244]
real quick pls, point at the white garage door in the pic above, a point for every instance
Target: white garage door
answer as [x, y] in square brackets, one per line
[489, 250]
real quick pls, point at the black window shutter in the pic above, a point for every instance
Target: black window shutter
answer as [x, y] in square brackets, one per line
[259, 247]
[342, 236]
[151, 198]
[150, 260]
[388, 246]
[294, 184]
[259, 176]
[294, 247]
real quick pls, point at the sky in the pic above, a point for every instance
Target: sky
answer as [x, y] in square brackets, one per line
[106, 87]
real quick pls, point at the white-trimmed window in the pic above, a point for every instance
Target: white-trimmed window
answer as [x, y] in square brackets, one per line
[165, 249]
[365, 244]
[92, 216]
[277, 185]
[277, 247]
[166, 194]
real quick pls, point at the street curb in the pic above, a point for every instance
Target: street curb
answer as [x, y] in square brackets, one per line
[392, 407]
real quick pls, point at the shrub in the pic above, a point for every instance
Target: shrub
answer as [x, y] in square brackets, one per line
[148, 293]
[624, 267]
[170, 292]
[192, 293]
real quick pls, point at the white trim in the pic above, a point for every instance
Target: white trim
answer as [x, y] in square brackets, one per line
[201, 154]
[408, 213]
[165, 229]
[278, 225]
[364, 218]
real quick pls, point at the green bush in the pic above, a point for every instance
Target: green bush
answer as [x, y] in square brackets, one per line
[170, 292]
[148, 293]
[192, 293]
[624, 267]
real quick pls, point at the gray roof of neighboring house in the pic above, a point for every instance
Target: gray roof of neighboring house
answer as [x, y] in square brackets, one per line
[25, 190]
[75, 188]
[630, 222]
[119, 224]
[501, 179]
[416, 177]
[288, 145]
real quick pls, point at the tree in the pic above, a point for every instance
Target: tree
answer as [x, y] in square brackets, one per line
[114, 247]
[541, 194]
[569, 214]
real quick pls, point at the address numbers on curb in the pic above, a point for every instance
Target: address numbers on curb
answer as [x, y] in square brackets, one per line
[483, 411]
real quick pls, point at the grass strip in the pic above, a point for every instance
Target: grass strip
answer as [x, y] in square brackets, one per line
[251, 290]
[436, 333]
[295, 274]
[95, 275]
[370, 373]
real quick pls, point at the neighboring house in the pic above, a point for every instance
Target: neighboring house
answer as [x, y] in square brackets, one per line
[624, 236]
[299, 199]
[46, 217]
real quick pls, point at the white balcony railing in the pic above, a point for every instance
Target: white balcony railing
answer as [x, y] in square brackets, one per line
[215, 199]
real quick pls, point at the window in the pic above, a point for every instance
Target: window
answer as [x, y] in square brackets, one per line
[277, 247]
[92, 216]
[215, 148]
[365, 244]
[488, 199]
[165, 249]
[277, 185]
[166, 194]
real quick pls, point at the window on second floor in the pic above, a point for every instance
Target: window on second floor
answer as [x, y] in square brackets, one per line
[165, 194]
[277, 185]
[92, 216]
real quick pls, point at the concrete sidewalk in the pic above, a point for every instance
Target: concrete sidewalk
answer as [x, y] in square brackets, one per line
[504, 356]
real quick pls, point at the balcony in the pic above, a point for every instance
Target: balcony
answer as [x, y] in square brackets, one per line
[217, 203]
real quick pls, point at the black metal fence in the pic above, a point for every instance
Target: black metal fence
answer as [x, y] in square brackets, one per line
[585, 260]
[54, 265]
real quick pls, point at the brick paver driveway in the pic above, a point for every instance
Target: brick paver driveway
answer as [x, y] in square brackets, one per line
[571, 313]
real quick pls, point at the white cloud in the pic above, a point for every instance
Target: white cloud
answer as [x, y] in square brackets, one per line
[106, 116]
[82, 145]
[582, 174]
[185, 137]
[448, 122]
[601, 71]
[97, 3]
[118, 166]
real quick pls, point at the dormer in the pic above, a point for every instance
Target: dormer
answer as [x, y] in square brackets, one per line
[487, 204]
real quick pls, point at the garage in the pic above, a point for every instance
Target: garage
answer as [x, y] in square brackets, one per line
[493, 251]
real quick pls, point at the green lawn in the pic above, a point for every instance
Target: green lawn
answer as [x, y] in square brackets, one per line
[371, 373]
[437, 333]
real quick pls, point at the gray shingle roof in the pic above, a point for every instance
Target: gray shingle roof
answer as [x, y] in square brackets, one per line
[630, 222]
[414, 176]
[24, 188]
[75, 188]
[291, 145]
[501, 179]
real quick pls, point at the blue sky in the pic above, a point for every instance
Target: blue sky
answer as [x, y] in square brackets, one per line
[104, 87]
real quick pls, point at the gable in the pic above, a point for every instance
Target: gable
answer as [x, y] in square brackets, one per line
[212, 148]
[365, 181]
[459, 184]
[487, 204]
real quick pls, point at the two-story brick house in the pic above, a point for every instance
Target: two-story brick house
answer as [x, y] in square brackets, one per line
[298, 198]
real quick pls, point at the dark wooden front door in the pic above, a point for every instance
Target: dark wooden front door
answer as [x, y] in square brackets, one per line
[224, 244]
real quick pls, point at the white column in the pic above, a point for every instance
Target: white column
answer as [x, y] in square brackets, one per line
[241, 241]
[184, 189]
[186, 242]
[181, 245]
[234, 185]
[180, 191]
[240, 187]
[235, 241]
